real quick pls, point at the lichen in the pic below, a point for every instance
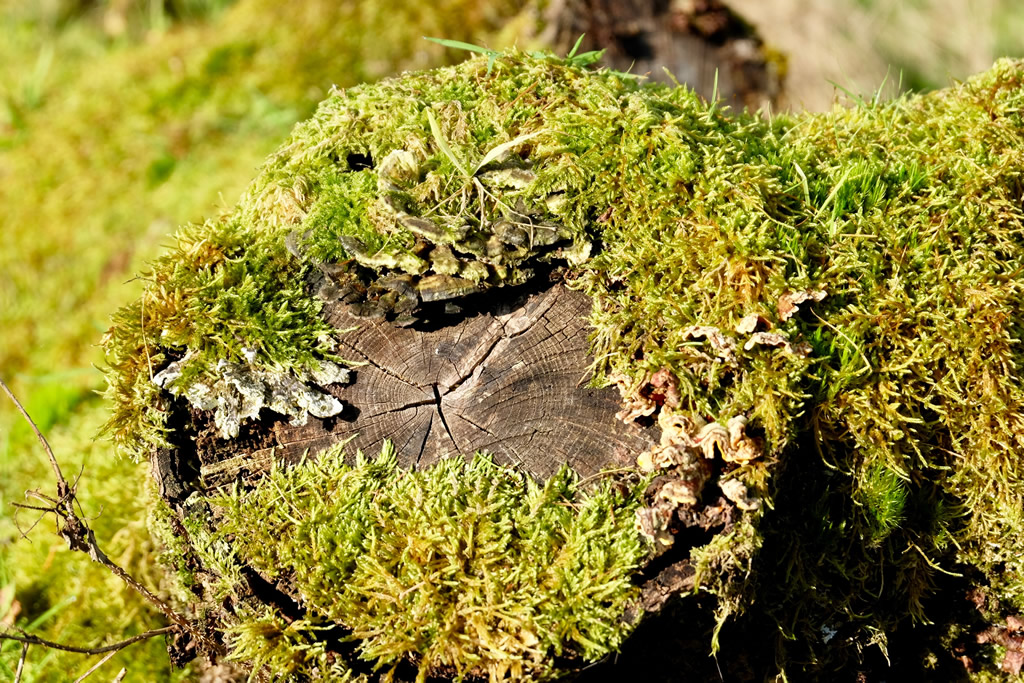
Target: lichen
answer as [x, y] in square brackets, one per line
[238, 392]
[828, 302]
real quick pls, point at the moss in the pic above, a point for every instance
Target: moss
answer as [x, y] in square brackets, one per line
[841, 286]
[466, 567]
[268, 642]
[174, 550]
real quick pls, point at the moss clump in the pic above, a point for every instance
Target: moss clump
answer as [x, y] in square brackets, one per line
[464, 567]
[843, 287]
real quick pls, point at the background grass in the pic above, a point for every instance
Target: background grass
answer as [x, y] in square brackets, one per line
[858, 44]
[121, 120]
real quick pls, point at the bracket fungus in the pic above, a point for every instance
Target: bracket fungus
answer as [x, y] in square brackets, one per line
[467, 259]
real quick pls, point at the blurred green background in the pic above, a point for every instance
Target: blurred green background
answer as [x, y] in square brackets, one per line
[123, 119]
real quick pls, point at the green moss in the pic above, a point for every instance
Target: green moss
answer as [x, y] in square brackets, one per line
[464, 567]
[289, 649]
[847, 283]
[173, 549]
[884, 497]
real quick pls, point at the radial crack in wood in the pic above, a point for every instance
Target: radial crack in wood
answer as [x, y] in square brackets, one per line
[510, 381]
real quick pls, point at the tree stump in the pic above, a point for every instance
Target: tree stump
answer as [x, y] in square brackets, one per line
[508, 378]
[794, 302]
[503, 371]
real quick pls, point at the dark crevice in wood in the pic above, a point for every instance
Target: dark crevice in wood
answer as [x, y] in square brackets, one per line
[671, 574]
[176, 469]
[407, 406]
[269, 594]
[474, 424]
[440, 414]
[463, 376]
[679, 552]
[426, 438]
[433, 316]
[383, 369]
[673, 581]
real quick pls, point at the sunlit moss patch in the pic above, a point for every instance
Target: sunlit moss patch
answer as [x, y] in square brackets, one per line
[466, 567]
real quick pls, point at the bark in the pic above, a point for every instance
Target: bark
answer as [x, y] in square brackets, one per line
[700, 43]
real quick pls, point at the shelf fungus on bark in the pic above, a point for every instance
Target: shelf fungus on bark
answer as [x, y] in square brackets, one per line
[448, 236]
[657, 389]
[684, 460]
[789, 303]
[723, 344]
[739, 493]
[752, 323]
[779, 340]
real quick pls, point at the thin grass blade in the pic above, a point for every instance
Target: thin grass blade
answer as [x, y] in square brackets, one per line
[443, 144]
[499, 151]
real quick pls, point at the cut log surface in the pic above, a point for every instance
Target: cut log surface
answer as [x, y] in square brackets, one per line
[510, 381]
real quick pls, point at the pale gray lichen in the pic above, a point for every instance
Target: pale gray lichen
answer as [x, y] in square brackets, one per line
[238, 392]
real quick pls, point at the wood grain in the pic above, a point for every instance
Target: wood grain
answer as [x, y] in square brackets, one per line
[510, 381]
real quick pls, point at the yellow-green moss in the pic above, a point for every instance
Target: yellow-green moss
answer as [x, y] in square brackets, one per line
[109, 140]
[467, 567]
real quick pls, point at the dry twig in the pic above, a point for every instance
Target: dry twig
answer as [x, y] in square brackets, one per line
[28, 639]
[73, 529]
[21, 663]
[95, 666]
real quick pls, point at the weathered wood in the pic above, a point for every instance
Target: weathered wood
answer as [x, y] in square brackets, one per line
[701, 43]
[510, 381]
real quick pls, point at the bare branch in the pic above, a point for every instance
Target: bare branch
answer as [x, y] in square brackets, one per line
[61, 482]
[24, 532]
[33, 507]
[73, 529]
[27, 639]
[120, 675]
[21, 663]
[41, 496]
[96, 666]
